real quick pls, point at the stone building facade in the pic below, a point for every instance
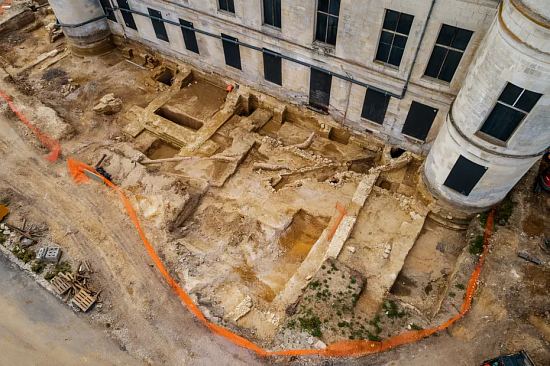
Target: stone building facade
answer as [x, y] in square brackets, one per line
[391, 67]
[354, 54]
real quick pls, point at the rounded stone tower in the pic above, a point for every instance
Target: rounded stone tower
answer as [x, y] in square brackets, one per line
[499, 123]
[86, 39]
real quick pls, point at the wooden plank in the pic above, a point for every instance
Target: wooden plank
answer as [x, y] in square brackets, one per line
[60, 285]
[84, 300]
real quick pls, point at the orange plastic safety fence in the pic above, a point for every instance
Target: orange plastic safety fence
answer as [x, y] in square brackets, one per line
[51, 144]
[339, 349]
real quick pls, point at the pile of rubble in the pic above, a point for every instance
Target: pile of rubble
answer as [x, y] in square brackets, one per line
[74, 287]
[108, 104]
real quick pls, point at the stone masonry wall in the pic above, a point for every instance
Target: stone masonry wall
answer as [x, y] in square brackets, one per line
[359, 30]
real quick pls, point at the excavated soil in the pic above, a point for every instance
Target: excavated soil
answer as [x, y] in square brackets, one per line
[245, 218]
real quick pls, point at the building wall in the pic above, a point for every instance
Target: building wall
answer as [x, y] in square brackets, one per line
[359, 30]
[80, 12]
[516, 50]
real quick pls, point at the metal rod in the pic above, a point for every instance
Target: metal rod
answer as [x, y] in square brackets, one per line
[418, 49]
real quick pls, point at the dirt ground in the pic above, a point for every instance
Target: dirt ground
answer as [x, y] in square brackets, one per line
[36, 329]
[244, 218]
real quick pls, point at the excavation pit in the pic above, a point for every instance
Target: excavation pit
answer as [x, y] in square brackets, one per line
[161, 150]
[174, 114]
[252, 211]
[166, 77]
[295, 244]
[254, 207]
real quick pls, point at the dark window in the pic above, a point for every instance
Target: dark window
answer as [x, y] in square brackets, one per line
[126, 14]
[272, 67]
[106, 5]
[419, 120]
[327, 21]
[447, 52]
[375, 105]
[319, 89]
[231, 51]
[464, 176]
[189, 36]
[272, 13]
[158, 25]
[393, 38]
[227, 5]
[511, 108]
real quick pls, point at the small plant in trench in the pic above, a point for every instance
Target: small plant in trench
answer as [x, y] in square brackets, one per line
[504, 211]
[373, 337]
[291, 324]
[343, 324]
[311, 324]
[392, 310]
[483, 218]
[375, 322]
[476, 245]
[359, 330]
[314, 284]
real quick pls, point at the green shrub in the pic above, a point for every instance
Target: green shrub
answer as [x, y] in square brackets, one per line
[61, 267]
[38, 266]
[25, 255]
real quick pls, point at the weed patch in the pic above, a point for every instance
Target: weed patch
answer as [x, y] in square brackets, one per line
[25, 255]
[312, 325]
[392, 310]
[38, 267]
[62, 267]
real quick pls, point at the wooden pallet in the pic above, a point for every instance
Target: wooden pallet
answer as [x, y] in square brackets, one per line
[60, 285]
[84, 300]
